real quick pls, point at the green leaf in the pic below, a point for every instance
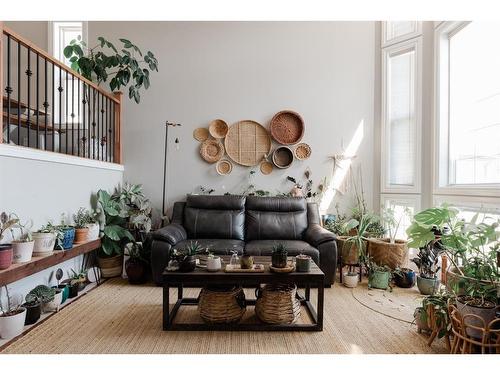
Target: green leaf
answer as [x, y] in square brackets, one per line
[125, 41]
[114, 232]
[68, 51]
[101, 40]
[78, 50]
[74, 65]
[418, 235]
[73, 58]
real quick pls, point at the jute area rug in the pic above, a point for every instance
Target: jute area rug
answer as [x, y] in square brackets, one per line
[120, 318]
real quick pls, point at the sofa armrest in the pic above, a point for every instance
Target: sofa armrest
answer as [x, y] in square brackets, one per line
[172, 233]
[316, 235]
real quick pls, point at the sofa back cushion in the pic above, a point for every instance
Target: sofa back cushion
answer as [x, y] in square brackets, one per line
[207, 216]
[275, 218]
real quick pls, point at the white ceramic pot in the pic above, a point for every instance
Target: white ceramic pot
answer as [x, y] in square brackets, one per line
[44, 243]
[93, 232]
[22, 251]
[12, 326]
[54, 304]
[214, 264]
[350, 281]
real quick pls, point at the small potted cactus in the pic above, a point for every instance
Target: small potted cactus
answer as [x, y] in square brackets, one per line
[279, 256]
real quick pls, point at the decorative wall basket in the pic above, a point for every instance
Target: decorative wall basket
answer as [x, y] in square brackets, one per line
[224, 167]
[247, 143]
[287, 127]
[211, 150]
[282, 157]
[302, 151]
[266, 167]
[218, 128]
[200, 134]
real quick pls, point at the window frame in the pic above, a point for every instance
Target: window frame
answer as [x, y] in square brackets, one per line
[386, 42]
[413, 200]
[490, 203]
[52, 28]
[441, 166]
[386, 187]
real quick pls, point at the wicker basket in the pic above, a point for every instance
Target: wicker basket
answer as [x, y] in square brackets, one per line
[221, 305]
[277, 304]
[384, 253]
[287, 127]
[211, 150]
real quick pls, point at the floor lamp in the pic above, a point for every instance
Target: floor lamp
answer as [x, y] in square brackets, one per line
[163, 208]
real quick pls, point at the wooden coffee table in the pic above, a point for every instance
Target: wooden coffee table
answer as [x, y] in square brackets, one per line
[201, 277]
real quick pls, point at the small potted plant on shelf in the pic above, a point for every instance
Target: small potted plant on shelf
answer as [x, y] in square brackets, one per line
[78, 280]
[93, 225]
[50, 298]
[12, 317]
[6, 255]
[45, 239]
[81, 220]
[67, 237]
[22, 241]
[33, 308]
[136, 265]
[279, 256]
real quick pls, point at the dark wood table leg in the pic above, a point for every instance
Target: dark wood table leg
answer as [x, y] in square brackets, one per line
[166, 306]
[321, 299]
[308, 292]
[180, 291]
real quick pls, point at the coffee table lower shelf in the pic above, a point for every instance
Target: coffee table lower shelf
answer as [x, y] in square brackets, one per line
[316, 315]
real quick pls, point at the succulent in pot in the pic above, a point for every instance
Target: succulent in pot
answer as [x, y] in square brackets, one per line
[279, 255]
[136, 265]
[6, 253]
[81, 219]
[303, 263]
[22, 240]
[187, 257]
[12, 317]
[246, 261]
[45, 239]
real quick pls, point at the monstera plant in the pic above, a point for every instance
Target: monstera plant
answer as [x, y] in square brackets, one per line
[123, 66]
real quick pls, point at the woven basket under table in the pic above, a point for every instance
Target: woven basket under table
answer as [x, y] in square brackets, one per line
[218, 305]
[277, 304]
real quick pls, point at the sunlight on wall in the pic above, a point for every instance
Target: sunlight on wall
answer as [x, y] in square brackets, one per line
[342, 168]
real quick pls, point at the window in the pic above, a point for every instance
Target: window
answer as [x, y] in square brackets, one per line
[398, 31]
[62, 33]
[468, 106]
[401, 78]
[487, 208]
[404, 206]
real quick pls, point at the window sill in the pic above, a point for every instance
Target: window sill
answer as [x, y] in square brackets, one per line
[54, 157]
[479, 191]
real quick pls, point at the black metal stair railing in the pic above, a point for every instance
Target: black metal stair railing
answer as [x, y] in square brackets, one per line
[47, 106]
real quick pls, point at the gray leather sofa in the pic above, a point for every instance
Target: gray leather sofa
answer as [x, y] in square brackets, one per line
[250, 225]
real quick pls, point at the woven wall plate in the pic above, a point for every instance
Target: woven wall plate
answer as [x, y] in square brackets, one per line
[282, 157]
[211, 150]
[200, 134]
[224, 167]
[247, 142]
[302, 151]
[266, 167]
[218, 128]
[287, 127]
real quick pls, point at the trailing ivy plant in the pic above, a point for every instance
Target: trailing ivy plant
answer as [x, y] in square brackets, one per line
[125, 65]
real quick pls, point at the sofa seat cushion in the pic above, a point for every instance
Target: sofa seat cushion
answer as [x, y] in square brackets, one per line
[265, 248]
[216, 246]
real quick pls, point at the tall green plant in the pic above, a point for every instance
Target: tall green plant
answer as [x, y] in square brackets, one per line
[125, 65]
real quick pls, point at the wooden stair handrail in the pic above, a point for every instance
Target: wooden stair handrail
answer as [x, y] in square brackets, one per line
[25, 42]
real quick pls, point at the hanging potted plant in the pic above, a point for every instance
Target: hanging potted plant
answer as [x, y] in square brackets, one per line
[115, 235]
[12, 317]
[22, 242]
[81, 220]
[6, 254]
[136, 265]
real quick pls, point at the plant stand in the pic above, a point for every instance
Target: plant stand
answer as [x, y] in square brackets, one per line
[436, 328]
[351, 266]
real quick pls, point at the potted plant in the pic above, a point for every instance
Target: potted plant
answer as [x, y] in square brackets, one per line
[378, 276]
[350, 278]
[33, 311]
[81, 220]
[93, 226]
[390, 251]
[6, 253]
[12, 318]
[45, 239]
[65, 235]
[303, 263]
[214, 263]
[138, 209]
[78, 278]
[136, 265]
[246, 261]
[50, 298]
[427, 263]
[279, 256]
[354, 250]
[115, 235]
[22, 243]
[405, 277]
[433, 314]
[187, 257]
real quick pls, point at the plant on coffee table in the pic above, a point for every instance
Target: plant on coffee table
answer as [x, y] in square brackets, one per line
[187, 256]
[279, 255]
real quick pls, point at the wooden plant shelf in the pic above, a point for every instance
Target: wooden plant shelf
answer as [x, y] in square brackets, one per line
[36, 264]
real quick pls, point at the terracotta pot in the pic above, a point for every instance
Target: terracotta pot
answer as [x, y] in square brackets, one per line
[6, 256]
[110, 267]
[23, 251]
[385, 253]
[81, 235]
[136, 271]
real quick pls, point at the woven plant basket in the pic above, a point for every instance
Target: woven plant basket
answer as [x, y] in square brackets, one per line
[349, 251]
[110, 267]
[277, 304]
[386, 254]
[221, 305]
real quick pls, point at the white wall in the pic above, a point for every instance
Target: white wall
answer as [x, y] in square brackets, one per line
[246, 70]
